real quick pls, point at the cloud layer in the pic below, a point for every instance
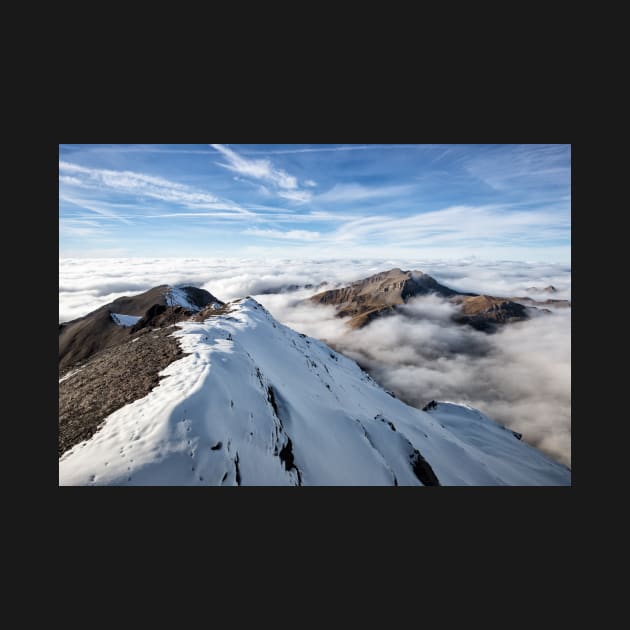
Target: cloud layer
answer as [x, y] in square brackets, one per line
[520, 376]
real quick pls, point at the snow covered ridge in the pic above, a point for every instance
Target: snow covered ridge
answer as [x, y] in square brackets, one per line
[125, 320]
[179, 297]
[256, 403]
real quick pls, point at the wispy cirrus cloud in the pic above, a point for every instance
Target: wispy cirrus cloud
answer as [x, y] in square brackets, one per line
[81, 228]
[229, 216]
[182, 150]
[70, 181]
[343, 148]
[296, 195]
[454, 200]
[285, 185]
[95, 207]
[357, 192]
[527, 166]
[289, 235]
[141, 185]
[467, 224]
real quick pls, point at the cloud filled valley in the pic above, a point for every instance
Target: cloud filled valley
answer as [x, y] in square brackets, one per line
[519, 376]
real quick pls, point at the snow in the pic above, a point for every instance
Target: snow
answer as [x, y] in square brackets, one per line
[69, 374]
[125, 320]
[179, 297]
[250, 391]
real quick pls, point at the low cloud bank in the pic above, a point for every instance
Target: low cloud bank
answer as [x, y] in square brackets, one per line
[520, 376]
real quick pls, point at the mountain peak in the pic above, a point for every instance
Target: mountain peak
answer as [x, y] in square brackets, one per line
[379, 294]
[113, 323]
[189, 297]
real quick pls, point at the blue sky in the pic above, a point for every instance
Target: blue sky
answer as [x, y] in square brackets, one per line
[508, 202]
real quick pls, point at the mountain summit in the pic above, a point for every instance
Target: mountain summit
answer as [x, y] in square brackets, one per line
[249, 401]
[380, 294]
[117, 321]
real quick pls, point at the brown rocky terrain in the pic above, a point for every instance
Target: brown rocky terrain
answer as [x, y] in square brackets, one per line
[484, 312]
[105, 366]
[83, 337]
[380, 295]
[110, 379]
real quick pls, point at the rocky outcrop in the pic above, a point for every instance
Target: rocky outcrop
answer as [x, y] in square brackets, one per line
[549, 289]
[387, 289]
[484, 312]
[538, 303]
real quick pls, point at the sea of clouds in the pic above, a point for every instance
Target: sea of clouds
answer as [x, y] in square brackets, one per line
[520, 376]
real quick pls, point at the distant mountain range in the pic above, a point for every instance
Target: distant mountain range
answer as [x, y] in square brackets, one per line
[381, 294]
[175, 387]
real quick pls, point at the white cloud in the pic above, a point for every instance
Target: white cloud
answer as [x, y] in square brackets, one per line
[80, 228]
[347, 147]
[357, 192]
[295, 195]
[95, 207]
[258, 169]
[70, 181]
[522, 165]
[520, 376]
[141, 185]
[458, 224]
[292, 235]
[263, 169]
[310, 182]
[230, 216]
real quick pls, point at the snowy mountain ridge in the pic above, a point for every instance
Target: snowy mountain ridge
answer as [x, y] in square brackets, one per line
[181, 296]
[253, 402]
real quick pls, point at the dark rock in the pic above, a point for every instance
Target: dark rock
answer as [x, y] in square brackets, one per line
[423, 470]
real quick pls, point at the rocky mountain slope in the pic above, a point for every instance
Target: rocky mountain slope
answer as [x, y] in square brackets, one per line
[382, 293]
[251, 402]
[123, 318]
